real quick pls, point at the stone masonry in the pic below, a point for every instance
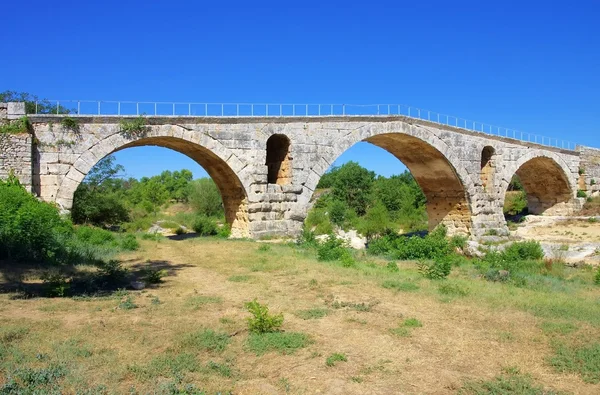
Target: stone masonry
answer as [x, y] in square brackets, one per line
[16, 150]
[463, 174]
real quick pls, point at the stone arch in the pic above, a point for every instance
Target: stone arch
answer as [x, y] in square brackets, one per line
[219, 163]
[278, 160]
[547, 181]
[487, 166]
[444, 181]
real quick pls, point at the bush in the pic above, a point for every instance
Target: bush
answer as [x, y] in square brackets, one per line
[597, 277]
[261, 321]
[130, 243]
[437, 269]
[30, 229]
[332, 249]
[205, 197]
[581, 193]
[179, 231]
[515, 203]
[224, 231]
[318, 219]
[376, 221]
[205, 226]
[154, 276]
[56, 284]
[337, 212]
[524, 250]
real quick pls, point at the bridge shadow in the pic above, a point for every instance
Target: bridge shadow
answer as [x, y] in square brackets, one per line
[24, 280]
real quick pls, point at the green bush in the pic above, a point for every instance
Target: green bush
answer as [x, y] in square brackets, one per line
[332, 249]
[581, 193]
[17, 126]
[318, 219]
[205, 198]
[597, 277]
[30, 229]
[205, 226]
[437, 269]
[224, 231]
[56, 284]
[337, 212]
[261, 321]
[129, 243]
[154, 276]
[524, 250]
[515, 203]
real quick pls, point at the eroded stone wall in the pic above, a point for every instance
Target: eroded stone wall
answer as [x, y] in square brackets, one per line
[590, 170]
[16, 150]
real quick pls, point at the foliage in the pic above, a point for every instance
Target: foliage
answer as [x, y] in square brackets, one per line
[56, 284]
[205, 226]
[515, 184]
[153, 276]
[318, 220]
[332, 249]
[261, 321]
[524, 250]
[130, 243]
[376, 221]
[224, 231]
[70, 124]
[352, 185]
[205, 197]
[404, 286]
[134, 128]
[16, 126]
[515, 203]
[33, 102]
[30, 229]
[337, 212]
[581, 193]
[597, 277]
[436, 269]
[335, 358]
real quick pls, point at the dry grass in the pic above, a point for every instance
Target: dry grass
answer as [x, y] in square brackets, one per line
[462, 338]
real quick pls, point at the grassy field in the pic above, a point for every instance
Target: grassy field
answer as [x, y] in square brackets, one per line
[346, 330]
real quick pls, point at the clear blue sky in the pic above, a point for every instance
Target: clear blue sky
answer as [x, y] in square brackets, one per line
[532, 66]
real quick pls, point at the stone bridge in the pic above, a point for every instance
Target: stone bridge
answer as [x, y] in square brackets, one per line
[267, 168]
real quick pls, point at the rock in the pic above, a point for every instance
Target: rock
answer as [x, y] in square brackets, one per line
[138, 285]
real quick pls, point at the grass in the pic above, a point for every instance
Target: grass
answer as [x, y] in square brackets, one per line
[197, 331]
[206, 340]
[282, 342]
[312, 314]
[335, 358]
[510, 382]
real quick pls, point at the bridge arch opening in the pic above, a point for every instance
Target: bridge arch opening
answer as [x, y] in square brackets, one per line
[279, 160]
[541, 186]
[487, 166]
[441, 189]
[231, 189]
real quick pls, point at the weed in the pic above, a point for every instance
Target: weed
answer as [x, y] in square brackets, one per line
[219, 368]
[397, 285]
[17, 126]
[69, 123]
[130, 243]
[165, 365]
[400, 331]
[135, 128]
[312, 314]
[392, 267]
[581, 193]
[453, 289]
[335, 358]
[206, 339]
[155, 301]
[412, 323]
[510, 382]
[583, 360]
[332, 249]
[283, 342]
[195, 302]
[12, 334]
[261, 321]
[127, 304]
[56, 284]
[437, 269]
[264, 248]
[597, 277]
[240, 278]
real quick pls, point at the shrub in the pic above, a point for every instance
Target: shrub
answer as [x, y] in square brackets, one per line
[130, 243]
[515, 203]
[524, 250]
[392, 267]
[437, 269]
[133, 128]
[179, 231]
[30, 229]
[70, 124]
[17, 126]
[581, 193]
[112, 270]
[331, 249]
[376, 221]
[205, 226]
[205, 198]
[334, 358]
[318, 219]
[154, 276]
[261, 321]
[597, 277]
[224, 231]
[337, 212]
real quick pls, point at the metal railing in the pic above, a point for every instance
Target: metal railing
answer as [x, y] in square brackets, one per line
[129, 108]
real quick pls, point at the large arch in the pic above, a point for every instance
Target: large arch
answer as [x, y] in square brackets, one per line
[215, 160]
[445, 183]
[547, 181]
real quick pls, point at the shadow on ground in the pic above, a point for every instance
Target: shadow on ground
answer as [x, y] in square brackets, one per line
[33, 280]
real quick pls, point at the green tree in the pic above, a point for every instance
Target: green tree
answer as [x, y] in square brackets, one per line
[205, 197]
[33, 103]
[352, 184]
[376, 221]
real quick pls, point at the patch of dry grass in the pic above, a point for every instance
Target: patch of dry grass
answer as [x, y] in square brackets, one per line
[196, 334]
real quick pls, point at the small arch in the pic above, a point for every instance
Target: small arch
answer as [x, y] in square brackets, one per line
[546, 185]
[487, 166]
[279, 161]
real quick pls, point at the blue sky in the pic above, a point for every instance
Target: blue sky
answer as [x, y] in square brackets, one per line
[532, 67]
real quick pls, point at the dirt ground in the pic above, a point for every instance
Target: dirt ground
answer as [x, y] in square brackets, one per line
[468, 337]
